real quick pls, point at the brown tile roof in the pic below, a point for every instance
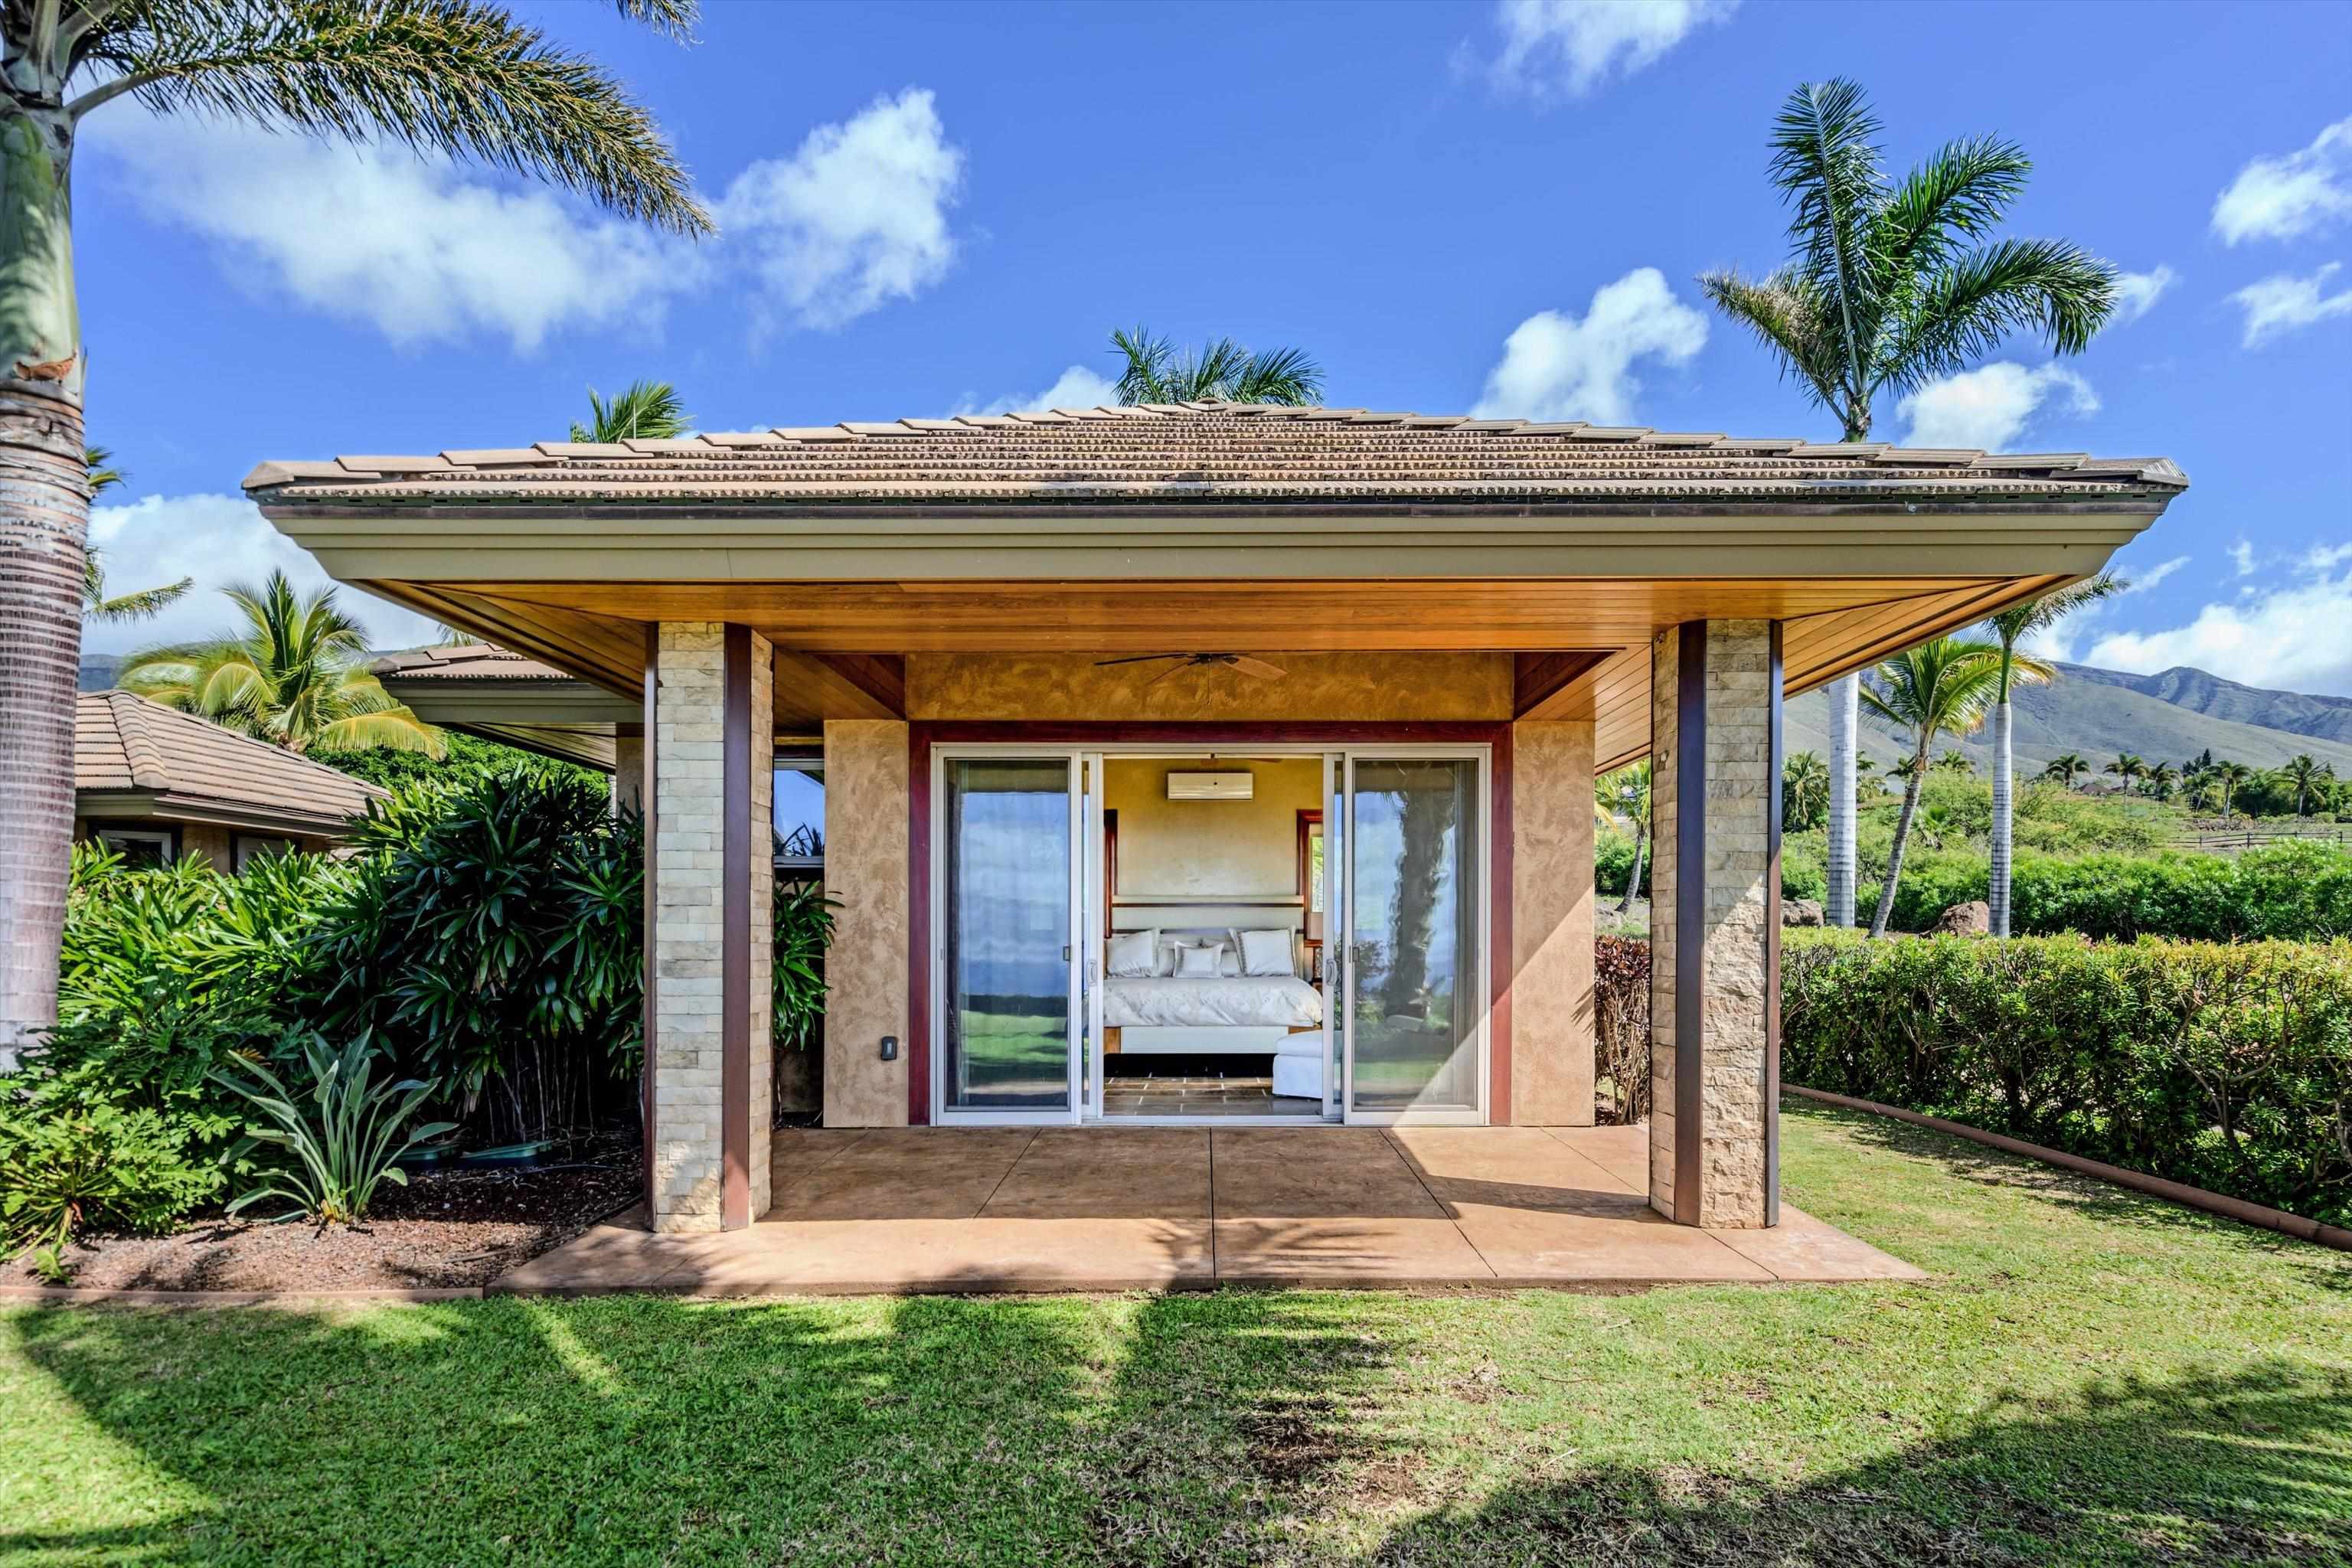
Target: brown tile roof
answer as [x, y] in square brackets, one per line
[465, 661]
[125, 745]
[1207, 452]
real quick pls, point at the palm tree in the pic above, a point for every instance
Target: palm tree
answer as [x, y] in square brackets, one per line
[297, 676]
[1804, 791]
[1941, 687]
[2009, 628]
[2305, 775]
[2066, 767]
[2229, 776]
[2161, 781]
[1220, 371]
[1955, 761]
[1888, 287]
[463, 79]
[1626, 792]
[140, 605]
[647, 411]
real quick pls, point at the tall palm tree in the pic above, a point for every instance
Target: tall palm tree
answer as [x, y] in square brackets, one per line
[2229, 776]
[1888, 287]
[1626, 792]
[2009, 628]
[97, 605]
[464, 78]
[2066, 767]
[2307, 776]
[2129, 769]
[1804, 791]
[2161, 781]
[1940, 688]
[1220, 371]
[646, 411]
[296, 675]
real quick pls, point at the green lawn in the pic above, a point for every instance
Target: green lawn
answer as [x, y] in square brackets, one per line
[2090, 1378]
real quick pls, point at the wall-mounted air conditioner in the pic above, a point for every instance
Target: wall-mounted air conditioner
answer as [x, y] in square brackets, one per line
[1210, 787]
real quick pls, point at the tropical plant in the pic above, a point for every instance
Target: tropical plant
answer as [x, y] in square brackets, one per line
[1888, 287]
[1941, 687]
[1626, 792]
[1804, 792]
[1955, 761]
[346, 1145]
[2066, 767]
[2127, 768]
[462, 78]
[97, 605]
[1220, 371]
[2161, 781]
[646, 411]
[297, 676]
[103, 1167]
[2009, 628]
[803, 930]
[2304, 775]
[2227, 777]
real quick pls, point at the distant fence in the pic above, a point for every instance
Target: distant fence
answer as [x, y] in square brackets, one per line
[2221, 840]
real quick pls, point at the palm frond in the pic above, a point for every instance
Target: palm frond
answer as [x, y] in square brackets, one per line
[1282, 376]
[644, 411]
[1966, 309]
[98, 466]
[1144, 378]
[1825, 161]
[1208, 375]
[1961, 192]
[393, 729]
[461, 77]
[1786, 314]
[139, 604]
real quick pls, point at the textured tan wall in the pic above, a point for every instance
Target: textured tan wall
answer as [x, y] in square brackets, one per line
[1735, 1006]
[1210, 850]
[629, 767]
[1552, 924]
[1072, 687]
[866, 852]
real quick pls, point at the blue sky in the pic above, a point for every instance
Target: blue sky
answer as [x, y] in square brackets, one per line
[929, 208]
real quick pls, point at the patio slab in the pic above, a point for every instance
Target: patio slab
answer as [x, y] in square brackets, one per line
[947, 1210]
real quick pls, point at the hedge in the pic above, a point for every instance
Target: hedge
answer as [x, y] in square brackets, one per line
[2286, 892]
[2226, 1066]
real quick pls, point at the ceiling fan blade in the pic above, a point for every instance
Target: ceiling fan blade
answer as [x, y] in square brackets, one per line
[1139, 658]
[1256, 667]
[1173, 669]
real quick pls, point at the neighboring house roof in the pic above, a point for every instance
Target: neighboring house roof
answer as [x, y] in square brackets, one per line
[133, 757]
[480, 688]
[1210, 452]
[465, 661]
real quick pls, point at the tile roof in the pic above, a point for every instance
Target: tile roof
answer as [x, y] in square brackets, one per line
[1207, 452]
[124, 742]
[465, 661]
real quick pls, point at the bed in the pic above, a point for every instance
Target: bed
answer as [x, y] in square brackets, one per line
[1228, 1014]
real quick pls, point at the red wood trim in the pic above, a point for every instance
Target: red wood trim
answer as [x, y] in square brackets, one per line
[651, 970]
[880, 676]
[1538, 679]
[1207, 733]
[918, 926]
[735, 931]
[1770, 1087]
[1690, 912]
[1500, 959]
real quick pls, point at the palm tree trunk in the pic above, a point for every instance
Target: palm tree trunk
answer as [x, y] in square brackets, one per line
[1634, 882]
[1901, 835]
[44, 526]
[1845, 700]
[1996, 895]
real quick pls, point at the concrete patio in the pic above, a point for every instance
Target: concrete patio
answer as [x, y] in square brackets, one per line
[944, 1210]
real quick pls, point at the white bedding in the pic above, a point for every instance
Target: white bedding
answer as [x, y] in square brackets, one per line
[1230, 1001]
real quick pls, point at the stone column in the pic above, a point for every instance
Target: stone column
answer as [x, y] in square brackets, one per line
[867, 804]
[1715, 923]
[713, 888]
[1551, 925]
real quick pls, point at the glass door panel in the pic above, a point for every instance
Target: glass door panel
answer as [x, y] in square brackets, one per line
[1415, 1001]
[1007, 901]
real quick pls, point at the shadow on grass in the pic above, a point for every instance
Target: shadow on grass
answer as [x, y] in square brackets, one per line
[2249, 1468]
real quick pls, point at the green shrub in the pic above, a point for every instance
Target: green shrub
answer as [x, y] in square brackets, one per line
[2294, 892]
[97, 1167]
[345, 1144]
[2226, 1066]
[1612, 862]
[802, 930]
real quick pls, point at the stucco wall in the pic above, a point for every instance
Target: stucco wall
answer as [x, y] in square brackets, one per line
[1073, 687]
[1552, 924]
[1210, 850]
[866, 808]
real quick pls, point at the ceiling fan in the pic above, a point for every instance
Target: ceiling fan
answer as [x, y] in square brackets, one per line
[1184, 661]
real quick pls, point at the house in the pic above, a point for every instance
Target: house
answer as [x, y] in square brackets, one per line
[1182, 746]
[157, 784]
[480, 689]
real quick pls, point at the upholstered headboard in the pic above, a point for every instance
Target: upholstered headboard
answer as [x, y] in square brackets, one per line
[1204, 921]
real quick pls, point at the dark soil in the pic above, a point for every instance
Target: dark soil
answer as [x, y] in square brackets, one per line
[446, 1228]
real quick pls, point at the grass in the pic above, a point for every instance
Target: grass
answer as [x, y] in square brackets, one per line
[2092, 1377]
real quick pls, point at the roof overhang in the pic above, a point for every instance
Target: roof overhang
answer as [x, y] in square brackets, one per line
[166, 805]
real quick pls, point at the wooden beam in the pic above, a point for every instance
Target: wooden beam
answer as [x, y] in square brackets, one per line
[812, 688]
[1544, 685]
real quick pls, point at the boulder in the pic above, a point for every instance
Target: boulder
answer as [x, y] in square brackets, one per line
[1801, 912]
[1964, 920]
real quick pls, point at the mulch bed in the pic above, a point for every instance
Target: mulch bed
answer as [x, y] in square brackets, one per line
[446, 1228]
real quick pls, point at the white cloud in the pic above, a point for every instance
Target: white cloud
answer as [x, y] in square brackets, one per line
[411, 247]
[2141, 582]
[2321, 557]
[2297, 193]
[216, 540]
[2137, 293]
[1550, 46]
[857, 218]
[2290, 637]
[1077, 387]
[1557, 367]
[1992, 406]
[2277, 306]
[2242, 554]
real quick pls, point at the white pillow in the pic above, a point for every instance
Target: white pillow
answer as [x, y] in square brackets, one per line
[1197, 961]
[1267, 952]
[1134, 955]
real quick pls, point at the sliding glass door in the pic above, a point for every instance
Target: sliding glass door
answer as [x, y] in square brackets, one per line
[1009, 889]
[1414, 974]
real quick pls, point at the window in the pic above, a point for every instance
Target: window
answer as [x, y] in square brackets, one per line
[799, 812]
[142, 846]
[1310, 873]
[245, 848]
